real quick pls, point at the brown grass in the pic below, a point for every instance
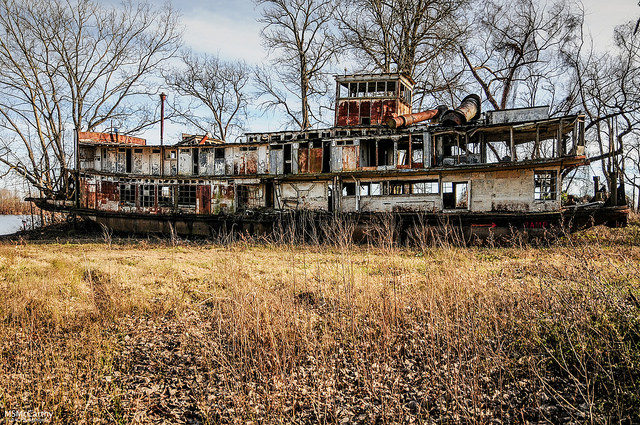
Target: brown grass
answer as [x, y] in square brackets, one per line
[141, 332]
[11, 203]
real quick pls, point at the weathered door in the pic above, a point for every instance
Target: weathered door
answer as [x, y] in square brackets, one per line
[203, 192]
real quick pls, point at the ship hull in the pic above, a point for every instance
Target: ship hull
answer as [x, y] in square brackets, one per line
[464, 224]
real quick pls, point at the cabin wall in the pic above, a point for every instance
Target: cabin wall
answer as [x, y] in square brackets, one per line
[507, 191]
[303, 195]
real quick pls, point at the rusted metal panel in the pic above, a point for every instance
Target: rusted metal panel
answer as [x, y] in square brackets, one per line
[354, 113]
[376, 112]
[108, 196]
[303, 160]
[343, 112]
[389, 107]
[315, 163]
[102, 138]
[203, 193]
[349, 158]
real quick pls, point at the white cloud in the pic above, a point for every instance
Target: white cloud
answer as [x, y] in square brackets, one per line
[214, 33]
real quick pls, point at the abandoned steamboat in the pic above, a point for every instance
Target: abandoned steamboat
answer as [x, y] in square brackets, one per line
[491, 172]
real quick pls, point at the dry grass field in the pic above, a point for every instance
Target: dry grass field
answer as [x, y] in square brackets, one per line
[139, 331]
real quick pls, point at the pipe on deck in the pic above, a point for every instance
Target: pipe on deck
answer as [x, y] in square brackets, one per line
[410, 119]
[468, 110]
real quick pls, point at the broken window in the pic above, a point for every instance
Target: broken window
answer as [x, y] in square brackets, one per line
[148, 195]
[368, 153]
[127, 194]
[391, 88]
[187, 196]
[405, 94]
[417, 152]
[544, 185]
[364, 189]
[165, 196]
[425, 188]
[385, 152]
[375, 189]
[348, 189]
[455, 195]
[403, 153]
[399, 188]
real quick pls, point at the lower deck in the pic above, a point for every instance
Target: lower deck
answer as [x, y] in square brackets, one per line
[535, 189]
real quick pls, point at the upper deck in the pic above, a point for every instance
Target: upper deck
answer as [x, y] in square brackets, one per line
[345, 150]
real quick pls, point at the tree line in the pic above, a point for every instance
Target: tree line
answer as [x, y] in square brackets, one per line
[68, 65]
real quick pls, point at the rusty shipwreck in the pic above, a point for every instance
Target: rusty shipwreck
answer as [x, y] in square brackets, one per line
[492, 172]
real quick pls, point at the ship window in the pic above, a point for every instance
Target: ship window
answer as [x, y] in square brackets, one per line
[219, 153]
[348, 189]
[385, 152]
[137, 151]
[375, 189]
[165, 196]
[391, 88]
[127, 194]
[403, 153]
[353, 89]
[187, 195]
[399, 188]
[455, 195]
[544, 185]
[425, 188]
[362, 88]
[148, 195]
[364, 189]
[417, 153]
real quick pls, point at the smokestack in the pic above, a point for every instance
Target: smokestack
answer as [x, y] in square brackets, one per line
[468, 110]
[163, 96]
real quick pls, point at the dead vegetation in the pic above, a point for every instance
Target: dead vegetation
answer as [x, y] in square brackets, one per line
[273, 331]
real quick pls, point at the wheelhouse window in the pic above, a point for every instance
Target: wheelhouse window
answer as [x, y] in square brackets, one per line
[545, 184]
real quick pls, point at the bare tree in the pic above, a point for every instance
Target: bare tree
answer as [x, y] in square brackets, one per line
[516, 51]
[74, 65]
[216, 92]
[300, 34]
[415, 37]
[608, 89]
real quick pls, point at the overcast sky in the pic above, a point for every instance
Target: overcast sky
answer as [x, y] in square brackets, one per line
[229, 27]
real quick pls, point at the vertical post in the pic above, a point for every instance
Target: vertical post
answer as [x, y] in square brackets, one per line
[536, 149]
[76, 148]
[163, 96]
[512, 146]
[633, 202]
[335, 116]
[560, 139]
